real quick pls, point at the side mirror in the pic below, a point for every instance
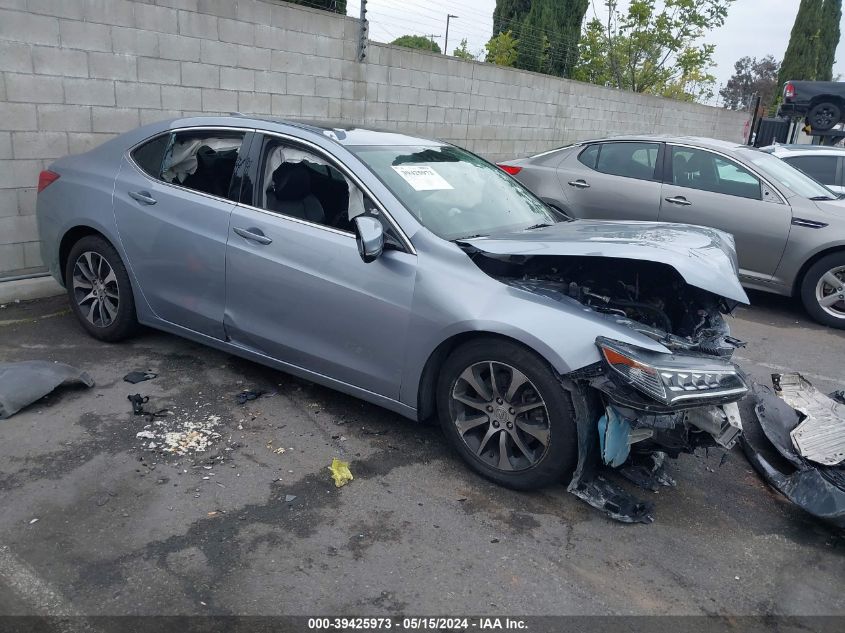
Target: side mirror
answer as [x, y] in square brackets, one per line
[369, 234]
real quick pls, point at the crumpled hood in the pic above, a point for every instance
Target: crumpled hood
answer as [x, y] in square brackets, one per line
[704, 257]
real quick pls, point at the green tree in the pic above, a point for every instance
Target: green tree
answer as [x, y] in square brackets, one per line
[501, 49]
[802, 52]
[653, 49]
[751, 76]
[462, 51]
[336, 6]
[417, 41]
[831, 18]
[547, 31]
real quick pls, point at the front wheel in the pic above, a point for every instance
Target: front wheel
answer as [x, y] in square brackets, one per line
[504, 411]
[99, 290]
[823, 290]
[824, 116]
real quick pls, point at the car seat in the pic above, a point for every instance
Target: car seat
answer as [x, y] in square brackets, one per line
[291, 194]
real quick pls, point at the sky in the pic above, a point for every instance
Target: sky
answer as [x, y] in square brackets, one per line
[754, 27]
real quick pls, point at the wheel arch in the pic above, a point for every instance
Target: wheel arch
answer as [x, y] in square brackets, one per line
[71, 237]
[802, 272]
[827, 98]
[427, 389]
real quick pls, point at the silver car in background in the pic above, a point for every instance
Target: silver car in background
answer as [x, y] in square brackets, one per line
[822, 163]
[789, 229]
[416, 276]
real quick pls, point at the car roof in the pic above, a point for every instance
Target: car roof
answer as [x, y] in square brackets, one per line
[699, 141]
[347, 134]
[802, 149]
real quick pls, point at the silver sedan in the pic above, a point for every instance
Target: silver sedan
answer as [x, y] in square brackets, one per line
[416, 276]
[789, 228]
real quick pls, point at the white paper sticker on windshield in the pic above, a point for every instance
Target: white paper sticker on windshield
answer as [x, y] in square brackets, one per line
[422, 178]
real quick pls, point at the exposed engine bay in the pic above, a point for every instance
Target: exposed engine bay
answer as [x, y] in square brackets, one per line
[635, 421]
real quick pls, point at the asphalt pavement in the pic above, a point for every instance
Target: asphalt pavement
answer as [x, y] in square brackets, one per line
[245, 528]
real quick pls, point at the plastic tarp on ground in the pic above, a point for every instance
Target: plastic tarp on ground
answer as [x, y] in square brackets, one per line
[25, 382]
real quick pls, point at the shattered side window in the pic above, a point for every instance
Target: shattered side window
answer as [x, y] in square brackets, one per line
[203, 160]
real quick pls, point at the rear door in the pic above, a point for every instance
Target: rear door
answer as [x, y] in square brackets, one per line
[172, 202]
[710, 189]
[615, 180]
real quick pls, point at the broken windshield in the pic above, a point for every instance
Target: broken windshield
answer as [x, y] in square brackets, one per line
[453, 193]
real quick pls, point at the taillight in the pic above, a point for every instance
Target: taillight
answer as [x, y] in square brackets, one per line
[513, 170]
[46, 178]
[788, 91]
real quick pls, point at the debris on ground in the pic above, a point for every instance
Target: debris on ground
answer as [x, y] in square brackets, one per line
[247, 394]
[180, 432]
[135, 377]
[795, 439]
[24, 382]
[138, 401]
[289, 498]
[340, 472]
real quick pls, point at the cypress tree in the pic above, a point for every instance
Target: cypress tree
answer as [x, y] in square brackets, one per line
[831, 16]
[800, 60]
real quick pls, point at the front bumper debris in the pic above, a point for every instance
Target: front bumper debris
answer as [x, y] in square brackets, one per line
[790, 454]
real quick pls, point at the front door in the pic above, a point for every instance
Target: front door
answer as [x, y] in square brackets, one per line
[297, 289]
[709, 189]
[172, 206]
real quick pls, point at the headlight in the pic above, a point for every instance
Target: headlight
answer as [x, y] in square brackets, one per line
[672, 378]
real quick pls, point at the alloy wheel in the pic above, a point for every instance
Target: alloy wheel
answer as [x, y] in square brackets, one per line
[830, 292]
[95, 289]
[823, 118]
[500, 416]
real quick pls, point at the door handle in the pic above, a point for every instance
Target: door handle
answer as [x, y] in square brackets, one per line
[143, 197]
[580, 183]
[253, 234]
[679, 200]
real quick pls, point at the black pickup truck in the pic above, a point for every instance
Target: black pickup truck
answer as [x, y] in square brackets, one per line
[821, 102]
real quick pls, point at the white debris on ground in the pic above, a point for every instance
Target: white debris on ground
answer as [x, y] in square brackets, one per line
[181, 433]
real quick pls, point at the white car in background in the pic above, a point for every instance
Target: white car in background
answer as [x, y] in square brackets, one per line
[825, 164]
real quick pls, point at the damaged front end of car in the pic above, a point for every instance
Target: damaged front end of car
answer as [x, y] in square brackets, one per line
[634, 406]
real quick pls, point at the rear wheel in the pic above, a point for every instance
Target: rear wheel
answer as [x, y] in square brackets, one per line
[823, 290]
[824, 116]
[504, 411]
[99, 290]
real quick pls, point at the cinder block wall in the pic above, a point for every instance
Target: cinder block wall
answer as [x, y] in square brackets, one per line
[76, 72]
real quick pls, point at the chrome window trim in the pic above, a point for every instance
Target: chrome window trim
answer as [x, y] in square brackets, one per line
[733, 160]
[204, 128]
[406, 242]
[276, 214]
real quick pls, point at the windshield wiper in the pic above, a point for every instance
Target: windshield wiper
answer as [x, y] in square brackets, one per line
[468, 237]
[537, 226]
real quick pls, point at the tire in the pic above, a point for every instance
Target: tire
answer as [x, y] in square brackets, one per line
[541, 464]
[100, 320]
[823, 116]
[818, 282]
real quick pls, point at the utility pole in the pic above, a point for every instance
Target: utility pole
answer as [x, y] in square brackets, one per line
[431, 36]
[449, 16]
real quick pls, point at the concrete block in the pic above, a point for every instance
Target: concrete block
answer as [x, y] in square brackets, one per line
[19, 173]
[28, 27]
[198, 25]
[200, 75]
[329, 46]
[89, 91]
[218, 53]
[220, 8]
[150, 17]
[254, 103]
[272, 82]
[256, 11]
[33, 89]
[5, 145]
[219, 100]
[268, 36]
[113, 66]
[11, 258]
[296, 42]
[254, 58]
[237, 79]
[179, 47]
[18, 116]
[301, 85]
[15, 57]
[64, 62]
[27, 200]
[316, 107]
[117, 12]
[115, 120]
[135, 95]
[32, 259]
[72, 9]
[159, 71]
[39, 144]
[286, 105]
[352, 110]
[8, 203]
[325, 87]
[18, 228]
[397, 112]
[187, 5]
[237, 32]
[288, 62]
[153, 116]
[85, 36]
[134, 41]
[80, 142]
[64, 118]
[179, 98]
